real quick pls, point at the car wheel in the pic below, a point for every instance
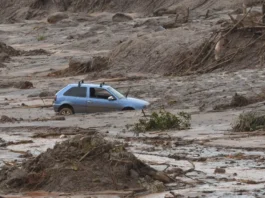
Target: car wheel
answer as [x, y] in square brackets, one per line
[66, 111]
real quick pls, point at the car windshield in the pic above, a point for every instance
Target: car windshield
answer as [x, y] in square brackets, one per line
[116, 93]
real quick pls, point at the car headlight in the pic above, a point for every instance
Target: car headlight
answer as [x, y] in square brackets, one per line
[145, 106]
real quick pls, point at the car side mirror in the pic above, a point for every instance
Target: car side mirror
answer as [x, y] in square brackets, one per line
[110, 98]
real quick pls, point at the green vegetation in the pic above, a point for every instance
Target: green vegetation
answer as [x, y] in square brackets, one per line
[164, 120]
[41, 38]
[250, 121]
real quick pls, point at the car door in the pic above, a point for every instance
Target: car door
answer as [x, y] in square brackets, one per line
[77, 98]
[98, 101]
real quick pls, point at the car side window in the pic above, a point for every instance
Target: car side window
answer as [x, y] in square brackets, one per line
[99, 93]
[76, 92]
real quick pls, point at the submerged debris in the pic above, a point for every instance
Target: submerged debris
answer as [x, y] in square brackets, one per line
[5, 118]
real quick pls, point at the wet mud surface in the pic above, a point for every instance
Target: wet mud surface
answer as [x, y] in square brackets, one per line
[207, 160]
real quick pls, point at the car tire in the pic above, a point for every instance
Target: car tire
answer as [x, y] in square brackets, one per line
[65, 111]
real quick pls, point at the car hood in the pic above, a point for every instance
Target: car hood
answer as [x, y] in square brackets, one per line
[135, 101]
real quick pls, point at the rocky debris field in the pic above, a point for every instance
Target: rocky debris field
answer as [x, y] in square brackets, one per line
[205, 58]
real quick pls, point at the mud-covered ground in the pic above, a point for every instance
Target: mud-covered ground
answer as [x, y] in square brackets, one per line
[223, 163]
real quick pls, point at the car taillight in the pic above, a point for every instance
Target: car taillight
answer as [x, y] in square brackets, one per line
[55, 98]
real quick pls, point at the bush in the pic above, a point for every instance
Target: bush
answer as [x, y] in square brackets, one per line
[239, 101]
[41, 38]
[164, 120]
[250, 121]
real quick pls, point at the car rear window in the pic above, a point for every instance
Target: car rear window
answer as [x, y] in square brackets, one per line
[76, 92]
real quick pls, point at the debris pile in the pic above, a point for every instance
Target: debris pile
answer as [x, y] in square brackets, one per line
[5, 119]
[6, 52]
[84, 163]
[80, 65]
[56, 17]
[239, 100]
[18, 85]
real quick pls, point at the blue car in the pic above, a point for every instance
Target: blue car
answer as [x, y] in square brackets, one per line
[91, 98]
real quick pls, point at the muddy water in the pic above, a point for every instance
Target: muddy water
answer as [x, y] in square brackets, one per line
[208, 144]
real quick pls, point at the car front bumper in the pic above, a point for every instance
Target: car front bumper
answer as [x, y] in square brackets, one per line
[56, 107]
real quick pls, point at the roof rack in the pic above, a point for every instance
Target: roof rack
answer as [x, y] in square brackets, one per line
[102, 84]
[80, 82]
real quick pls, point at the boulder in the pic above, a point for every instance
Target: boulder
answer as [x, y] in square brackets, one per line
[56, 17]
[121, 17]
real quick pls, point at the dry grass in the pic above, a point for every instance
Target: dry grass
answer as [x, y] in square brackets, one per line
[249, 121]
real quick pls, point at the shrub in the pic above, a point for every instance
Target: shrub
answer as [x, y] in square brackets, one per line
[164, 120]
[41, 38]
[239, 101]
[250, 121]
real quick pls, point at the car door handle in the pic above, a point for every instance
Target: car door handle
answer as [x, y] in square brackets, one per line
[89, 101]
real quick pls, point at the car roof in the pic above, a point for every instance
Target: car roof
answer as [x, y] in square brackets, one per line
[88, 85]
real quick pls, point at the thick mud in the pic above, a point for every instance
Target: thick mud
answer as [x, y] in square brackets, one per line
[207, 160]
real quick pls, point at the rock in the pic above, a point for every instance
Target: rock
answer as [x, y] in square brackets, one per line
[121, 17]
[56, 17]
[219, 171]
